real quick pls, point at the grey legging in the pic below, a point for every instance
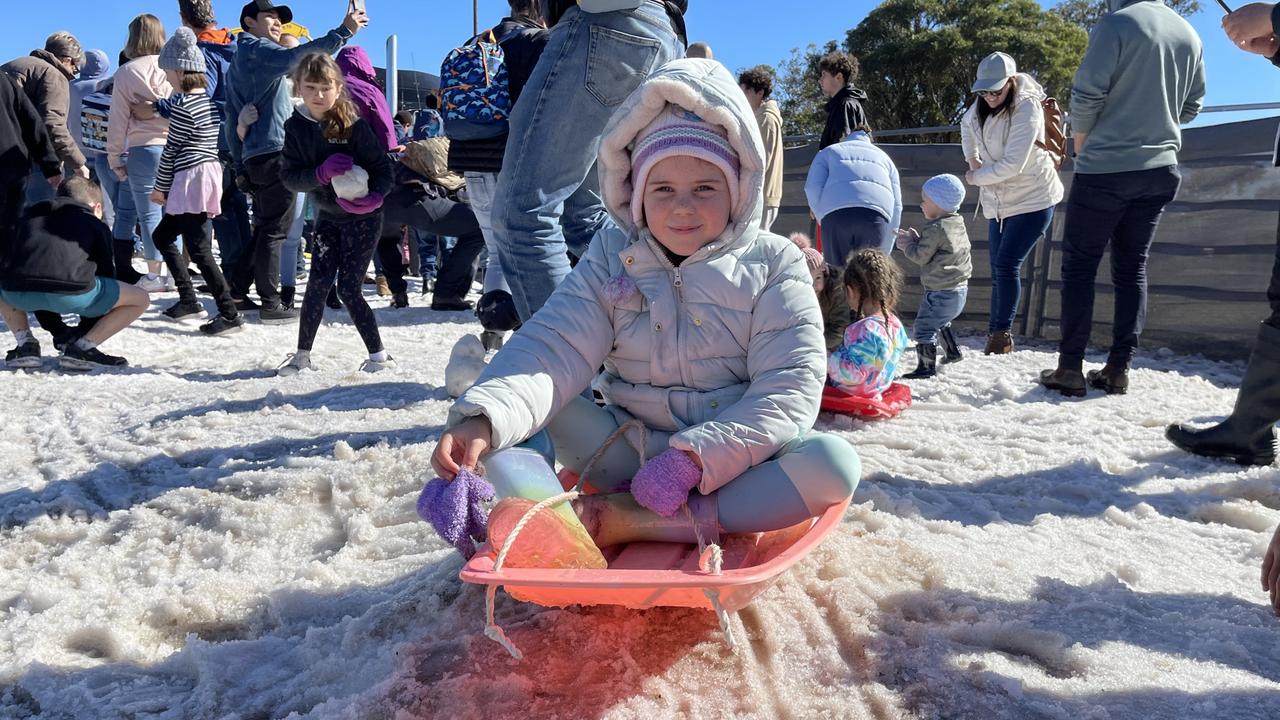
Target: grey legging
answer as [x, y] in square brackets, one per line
[815, 473]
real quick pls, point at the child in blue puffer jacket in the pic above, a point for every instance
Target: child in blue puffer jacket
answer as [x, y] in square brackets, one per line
[706, 327]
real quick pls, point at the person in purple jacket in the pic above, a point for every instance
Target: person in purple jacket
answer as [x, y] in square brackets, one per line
[362, 85]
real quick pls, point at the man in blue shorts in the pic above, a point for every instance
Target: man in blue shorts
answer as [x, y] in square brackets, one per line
[53, 264]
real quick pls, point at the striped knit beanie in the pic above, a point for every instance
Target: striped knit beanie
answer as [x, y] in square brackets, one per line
[678, 132]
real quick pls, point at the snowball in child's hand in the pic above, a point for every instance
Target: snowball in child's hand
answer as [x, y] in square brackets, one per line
[352, 184]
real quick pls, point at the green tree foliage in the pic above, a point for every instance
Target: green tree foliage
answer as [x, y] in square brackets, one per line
[1086, 13]
[919, 57]
[796, 90]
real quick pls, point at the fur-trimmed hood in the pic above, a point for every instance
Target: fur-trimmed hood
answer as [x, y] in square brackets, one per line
[702, 87]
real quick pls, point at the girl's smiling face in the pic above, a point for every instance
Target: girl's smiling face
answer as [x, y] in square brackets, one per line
[686, 203]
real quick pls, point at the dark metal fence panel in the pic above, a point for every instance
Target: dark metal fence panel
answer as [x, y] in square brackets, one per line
[1210, 262]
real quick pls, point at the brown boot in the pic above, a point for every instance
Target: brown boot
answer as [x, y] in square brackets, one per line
[384, 290]
[999, 343]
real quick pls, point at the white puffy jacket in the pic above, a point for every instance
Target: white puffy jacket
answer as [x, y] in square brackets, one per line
[1017, 176]
[725, 351]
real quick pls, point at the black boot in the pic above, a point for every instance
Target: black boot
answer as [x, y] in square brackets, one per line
[122, 257]
[1068, 381]
[1246, 436]
[950, 348]
[332, 301]
[287, 295]
[927, 362]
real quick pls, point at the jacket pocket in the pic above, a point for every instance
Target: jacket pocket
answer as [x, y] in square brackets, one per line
[617, 63]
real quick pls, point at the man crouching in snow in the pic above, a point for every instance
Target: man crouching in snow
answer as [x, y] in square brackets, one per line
[56, 263]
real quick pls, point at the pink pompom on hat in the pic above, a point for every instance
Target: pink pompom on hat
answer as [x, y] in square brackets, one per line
[814, 260]
[679, 132]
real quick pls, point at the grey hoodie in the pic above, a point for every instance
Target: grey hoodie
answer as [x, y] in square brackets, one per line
[97, 67]
[1142, 76]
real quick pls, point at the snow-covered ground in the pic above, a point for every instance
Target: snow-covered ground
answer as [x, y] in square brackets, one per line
[194, 538]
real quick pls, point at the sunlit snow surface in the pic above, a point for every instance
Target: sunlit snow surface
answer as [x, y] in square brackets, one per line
[194, 538]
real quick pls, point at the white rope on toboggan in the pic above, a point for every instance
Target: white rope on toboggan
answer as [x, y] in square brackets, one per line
[710, 557]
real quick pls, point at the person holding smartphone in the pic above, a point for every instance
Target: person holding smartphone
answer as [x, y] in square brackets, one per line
[1247, 436]
[257, 76]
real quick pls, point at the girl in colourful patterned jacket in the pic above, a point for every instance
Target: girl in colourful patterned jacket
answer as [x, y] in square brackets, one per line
[706, 327]
[867, 360]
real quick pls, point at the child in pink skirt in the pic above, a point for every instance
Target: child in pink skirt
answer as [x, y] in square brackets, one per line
[189, 185]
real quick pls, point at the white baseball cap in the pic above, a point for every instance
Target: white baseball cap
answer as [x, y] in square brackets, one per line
[994, 71]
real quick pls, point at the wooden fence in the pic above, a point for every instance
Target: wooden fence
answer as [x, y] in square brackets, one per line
[1209, 265]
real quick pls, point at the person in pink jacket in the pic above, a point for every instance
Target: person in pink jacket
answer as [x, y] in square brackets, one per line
[134, 145]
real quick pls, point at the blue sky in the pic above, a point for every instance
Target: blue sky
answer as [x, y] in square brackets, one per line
[741, 32]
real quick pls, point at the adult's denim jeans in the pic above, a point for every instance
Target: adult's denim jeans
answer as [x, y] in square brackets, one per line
[1010, 241]
[125, 218]
[293, 243]
[937, 309]
[480, 187]
[1120, 210]
[108, 205]
[142, 163]
[546, 200]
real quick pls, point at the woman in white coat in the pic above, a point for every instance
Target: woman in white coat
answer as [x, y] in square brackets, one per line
[1018, 184]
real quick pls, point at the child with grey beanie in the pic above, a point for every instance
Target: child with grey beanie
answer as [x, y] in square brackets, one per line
[941, 249]
[189, 184]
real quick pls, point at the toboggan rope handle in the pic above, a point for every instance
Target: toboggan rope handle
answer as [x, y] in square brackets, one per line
[710, 558]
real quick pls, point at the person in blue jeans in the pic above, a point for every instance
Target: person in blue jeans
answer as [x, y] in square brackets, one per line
[546, 201]
[1002, 134]
[1141, 77]
[941, 249]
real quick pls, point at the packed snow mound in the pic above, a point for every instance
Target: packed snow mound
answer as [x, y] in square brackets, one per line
[195, 538]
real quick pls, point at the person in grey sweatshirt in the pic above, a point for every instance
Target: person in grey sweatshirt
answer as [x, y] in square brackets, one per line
[1141, 78]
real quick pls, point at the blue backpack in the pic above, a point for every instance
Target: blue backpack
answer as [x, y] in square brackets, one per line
[473, 89]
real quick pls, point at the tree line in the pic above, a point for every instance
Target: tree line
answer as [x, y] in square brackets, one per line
[917, 58]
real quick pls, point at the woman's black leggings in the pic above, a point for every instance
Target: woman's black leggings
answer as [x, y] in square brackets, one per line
[341, 250]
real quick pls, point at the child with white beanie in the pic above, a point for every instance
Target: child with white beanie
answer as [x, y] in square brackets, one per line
[686, 317]
[941, 249]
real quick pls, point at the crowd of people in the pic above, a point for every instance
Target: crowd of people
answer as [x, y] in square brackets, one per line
[628, 241]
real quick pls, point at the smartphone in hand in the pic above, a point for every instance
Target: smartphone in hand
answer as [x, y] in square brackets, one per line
[357, 6]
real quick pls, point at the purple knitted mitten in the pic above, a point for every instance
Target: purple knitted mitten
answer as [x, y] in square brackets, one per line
[663, 483]
[454, 509]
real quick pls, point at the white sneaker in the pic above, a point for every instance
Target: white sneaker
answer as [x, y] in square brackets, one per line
[466, 362]
[153, 283]
[294, 364]
[373, 366]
